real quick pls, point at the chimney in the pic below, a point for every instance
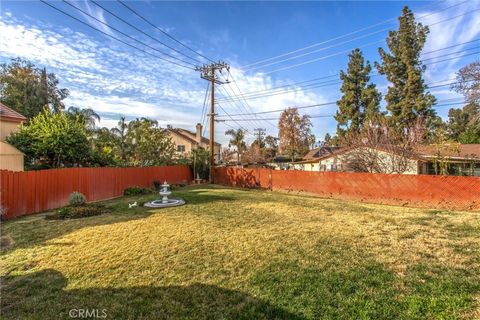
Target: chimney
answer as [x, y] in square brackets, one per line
[198, 134]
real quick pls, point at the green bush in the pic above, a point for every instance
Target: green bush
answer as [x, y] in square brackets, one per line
[133, 191]
[77, 199]
[75, 212]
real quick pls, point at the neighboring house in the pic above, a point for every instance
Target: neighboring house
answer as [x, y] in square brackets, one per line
[186, 141]
[10, 157]
[456, 159]
[461, 160]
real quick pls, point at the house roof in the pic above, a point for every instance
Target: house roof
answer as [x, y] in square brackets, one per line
[454, 151]
[190, 136]
[9, 114]
[421, 153]
[320, 152]
[333, 151]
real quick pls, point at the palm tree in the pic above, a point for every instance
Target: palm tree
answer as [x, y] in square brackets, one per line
[88, 116]
[237, 141]
[121, 132]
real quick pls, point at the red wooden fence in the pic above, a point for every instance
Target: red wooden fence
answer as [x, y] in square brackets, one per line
[411, 190]
[28, 192]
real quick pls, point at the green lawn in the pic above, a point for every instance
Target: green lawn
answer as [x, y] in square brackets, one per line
[245, 254]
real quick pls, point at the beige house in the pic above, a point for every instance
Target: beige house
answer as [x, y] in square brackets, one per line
[10, 157]
[464, 160]
[186, 141]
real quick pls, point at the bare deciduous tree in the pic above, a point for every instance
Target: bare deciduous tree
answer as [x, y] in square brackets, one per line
[468, 82]
[379, 149]
[227, 155]
[254, 154]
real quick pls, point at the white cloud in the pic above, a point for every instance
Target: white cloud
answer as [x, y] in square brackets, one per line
[114, 79]
[453, 30]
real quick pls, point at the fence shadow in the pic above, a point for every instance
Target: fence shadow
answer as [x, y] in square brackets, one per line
[33, 230]
[43, 295]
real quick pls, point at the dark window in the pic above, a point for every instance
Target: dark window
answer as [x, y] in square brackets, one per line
[180, 148]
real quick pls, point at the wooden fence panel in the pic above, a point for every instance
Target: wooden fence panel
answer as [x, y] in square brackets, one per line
[413, 190]
[29, 192]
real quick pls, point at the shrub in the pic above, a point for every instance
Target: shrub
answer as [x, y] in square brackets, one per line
[3, 211]
[133, 191]
[76, 199]
[76, 212]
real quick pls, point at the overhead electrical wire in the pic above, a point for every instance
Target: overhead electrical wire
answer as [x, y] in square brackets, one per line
[234, 120]
[348, 34]
[274, 92]
[363, 46]
[143, 32]
[232, 127]
[332, 102]
[125, 34]
[113, 37]
[337, 74]
[248, 108]
[231, 103]
[329, 40]
[332, 115]
[162, 31]
[204, 109]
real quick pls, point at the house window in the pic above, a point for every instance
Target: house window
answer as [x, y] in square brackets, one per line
[181, 148]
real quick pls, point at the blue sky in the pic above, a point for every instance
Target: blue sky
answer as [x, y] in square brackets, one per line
[115, 79]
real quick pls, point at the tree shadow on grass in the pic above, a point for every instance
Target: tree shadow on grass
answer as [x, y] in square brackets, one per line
[367, 290]
[42, 295]
[33, 230]
[200, 196]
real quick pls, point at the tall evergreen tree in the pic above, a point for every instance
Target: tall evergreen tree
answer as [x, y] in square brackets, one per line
[360, 101]
[408, 99]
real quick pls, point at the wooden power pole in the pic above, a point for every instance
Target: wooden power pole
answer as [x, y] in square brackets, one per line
[259, 133]
[208, 72]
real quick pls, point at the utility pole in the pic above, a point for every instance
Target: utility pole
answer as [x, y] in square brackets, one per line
[259, 133]
[208, 72]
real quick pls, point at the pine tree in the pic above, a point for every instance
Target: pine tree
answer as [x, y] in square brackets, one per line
[408, 99]
[360, 101]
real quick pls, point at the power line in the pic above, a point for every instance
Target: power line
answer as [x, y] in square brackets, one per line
[248, 107]
[325, 57]
[143, 32]
[334, 102]
[329, 83]
[204, 108]
[234, 120]
[278, 92]
[113, 37]
[232, 127]
[340, 37]
[162, 31]
[283, 109]
[238, 103]
[124, 34]
[231, 102]
[332, 115]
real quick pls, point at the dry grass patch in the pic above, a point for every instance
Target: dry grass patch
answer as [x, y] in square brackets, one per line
[243, 254]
